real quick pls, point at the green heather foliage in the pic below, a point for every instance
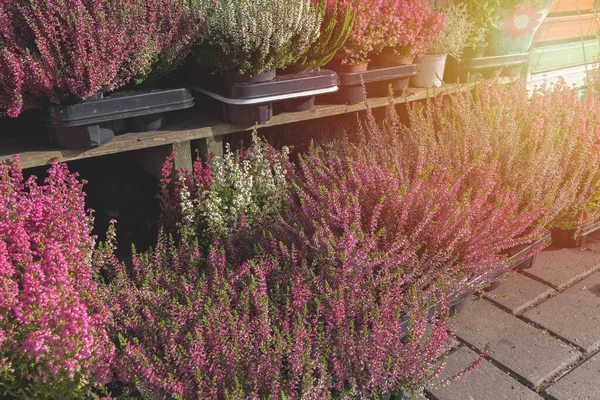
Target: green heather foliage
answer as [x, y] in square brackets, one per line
[338, 21]
[252, 36]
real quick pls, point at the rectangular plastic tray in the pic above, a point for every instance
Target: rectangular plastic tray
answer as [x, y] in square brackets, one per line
[120, 105]
[376, 83]
[282, 85]
[93, 122]
[471, 68]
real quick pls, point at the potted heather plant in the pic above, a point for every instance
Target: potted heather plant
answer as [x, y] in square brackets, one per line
[336, 27]
[248, 40]
[452, 41]
[516, 22]
[411, 28]
[74, 57]
[65, 53]
[54, 343]
[481, 15]
[367, 36]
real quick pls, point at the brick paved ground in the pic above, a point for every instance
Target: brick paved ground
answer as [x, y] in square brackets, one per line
[543, 329]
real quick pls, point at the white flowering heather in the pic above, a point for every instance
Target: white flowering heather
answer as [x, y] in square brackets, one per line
[249, 185]
[251, 36]
[230, 192]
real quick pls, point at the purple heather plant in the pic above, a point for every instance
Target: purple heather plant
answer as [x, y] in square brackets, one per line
[545, 144]
[53, 342]
[439, 226]
[271, 326]
[72, 49]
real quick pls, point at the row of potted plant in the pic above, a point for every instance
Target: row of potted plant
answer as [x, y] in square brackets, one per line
[62, 52]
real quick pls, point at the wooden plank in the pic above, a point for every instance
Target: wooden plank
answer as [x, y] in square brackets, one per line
[153, 158]
[564, 6]
[193, 125]
[565, 55]
[569, 27]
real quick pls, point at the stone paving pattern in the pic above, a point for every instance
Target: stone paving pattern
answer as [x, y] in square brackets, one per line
[542, 326]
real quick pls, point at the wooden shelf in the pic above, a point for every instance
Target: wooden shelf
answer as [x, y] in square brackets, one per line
[191, 125]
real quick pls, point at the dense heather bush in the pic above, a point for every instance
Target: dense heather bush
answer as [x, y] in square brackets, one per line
[336, 26]
[56, 51]
[53, 342]
[268, 327]
[410, 26]
[545, 146]
[455, 36]
[215, 197]
[254, 36]
[440, 227]
[367, 35]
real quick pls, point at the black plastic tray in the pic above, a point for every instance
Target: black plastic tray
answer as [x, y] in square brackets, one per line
[472, 68]
[376, 83]
[281, 85]
[521, 257]
[91, 123]
[253, 103]
[564, 238]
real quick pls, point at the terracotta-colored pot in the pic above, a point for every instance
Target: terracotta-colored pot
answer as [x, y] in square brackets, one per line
[349, 68]
[387, 58]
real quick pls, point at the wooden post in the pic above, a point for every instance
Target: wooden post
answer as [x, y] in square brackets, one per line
[212, 145]
[153, 158]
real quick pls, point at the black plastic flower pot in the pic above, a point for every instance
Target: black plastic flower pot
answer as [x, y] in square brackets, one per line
[397, 395]
[471, 52]
[247, 114]
[566, 238]
[236, 77]
[572, 238]
[376, 83]
[91, 123]
[255, 102]
[298, 104]
[471, 69]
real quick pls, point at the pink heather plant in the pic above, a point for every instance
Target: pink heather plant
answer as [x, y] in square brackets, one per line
[269, 327]
[411, 26]
[72, 49]
[546, 146]
[367, 34]
[52, 338]
[440, 226]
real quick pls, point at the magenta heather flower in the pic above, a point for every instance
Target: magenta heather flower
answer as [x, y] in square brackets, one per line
[72, 49]
[52, 338]
[269, 326]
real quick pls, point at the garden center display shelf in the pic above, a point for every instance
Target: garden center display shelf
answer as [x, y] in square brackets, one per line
[252, 102]
[93, 122]
[35, 150]
[376, 82]
[471, 69]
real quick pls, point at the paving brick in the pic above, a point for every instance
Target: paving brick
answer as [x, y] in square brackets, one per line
[561, 267]
[529, 352]
[518, 292]
[582, 383]
[486, 383]
[574, 314]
